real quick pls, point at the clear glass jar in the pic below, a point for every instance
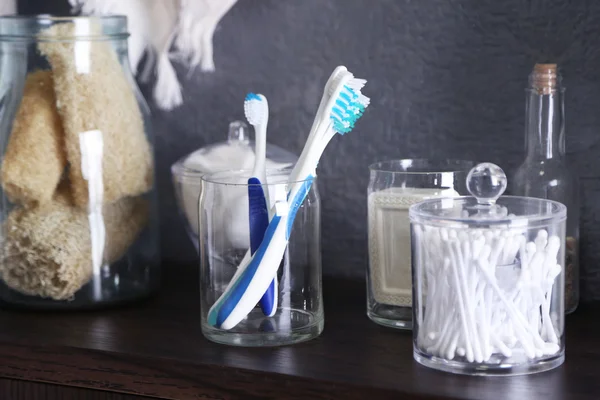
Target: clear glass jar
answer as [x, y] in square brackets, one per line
[78, 210]
[225, 240]
[488, 272]
[234, 154]
[393, 187]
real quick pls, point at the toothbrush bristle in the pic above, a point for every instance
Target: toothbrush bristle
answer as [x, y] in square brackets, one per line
[252, 96]
[349, 106]
[255, 109]
[356, 84]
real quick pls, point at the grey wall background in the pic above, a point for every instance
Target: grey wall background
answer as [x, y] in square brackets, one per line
[446, 78]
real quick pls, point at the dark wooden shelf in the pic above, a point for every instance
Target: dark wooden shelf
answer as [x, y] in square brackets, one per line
[156, 349]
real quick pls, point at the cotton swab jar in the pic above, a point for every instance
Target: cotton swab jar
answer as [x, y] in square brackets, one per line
[488, 280]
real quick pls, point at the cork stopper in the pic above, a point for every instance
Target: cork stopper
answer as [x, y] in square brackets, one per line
[544, 78]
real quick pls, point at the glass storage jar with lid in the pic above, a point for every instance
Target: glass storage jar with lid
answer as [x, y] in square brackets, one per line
[234, 154]
[78, 207]
[488, 280]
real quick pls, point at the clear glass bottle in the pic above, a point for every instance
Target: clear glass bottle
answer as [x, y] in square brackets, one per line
[79, 226]
[545, 173]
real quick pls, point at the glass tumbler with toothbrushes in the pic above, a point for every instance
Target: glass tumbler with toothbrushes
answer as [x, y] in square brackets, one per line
[488, 280]
[229, 312]
[224, 240]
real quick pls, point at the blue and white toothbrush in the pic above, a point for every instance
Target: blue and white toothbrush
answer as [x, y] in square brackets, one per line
[327, 92]
[256, 109]
[342, 105]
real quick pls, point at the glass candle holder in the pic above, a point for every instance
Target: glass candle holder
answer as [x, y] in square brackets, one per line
[224, 240]
[394, 186]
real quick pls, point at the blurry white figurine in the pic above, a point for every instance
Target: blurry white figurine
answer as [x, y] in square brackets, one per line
[157, 25]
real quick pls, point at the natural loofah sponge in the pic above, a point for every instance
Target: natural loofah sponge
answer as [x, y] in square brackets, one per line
[48, 250]
[93, 93]
[35, 159]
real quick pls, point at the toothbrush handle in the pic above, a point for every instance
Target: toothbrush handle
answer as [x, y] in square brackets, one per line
[268, 302]
[259, 221]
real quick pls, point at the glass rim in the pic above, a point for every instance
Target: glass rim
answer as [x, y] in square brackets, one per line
[23, 21]
[220, 177]
[453, 166]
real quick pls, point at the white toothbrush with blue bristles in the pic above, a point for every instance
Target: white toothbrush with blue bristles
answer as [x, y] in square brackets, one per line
[327, 92]
[256, 109]
[342, 105]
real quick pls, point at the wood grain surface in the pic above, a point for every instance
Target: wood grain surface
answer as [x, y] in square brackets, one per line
[156, 349]
[23, 390]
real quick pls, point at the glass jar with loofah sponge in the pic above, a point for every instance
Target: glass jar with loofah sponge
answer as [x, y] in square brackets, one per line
[78, 208]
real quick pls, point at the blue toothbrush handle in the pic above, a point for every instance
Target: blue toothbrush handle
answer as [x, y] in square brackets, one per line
[259, 221]
[267, 302]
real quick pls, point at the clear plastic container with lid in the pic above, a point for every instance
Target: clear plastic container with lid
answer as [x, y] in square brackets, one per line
[488, 280]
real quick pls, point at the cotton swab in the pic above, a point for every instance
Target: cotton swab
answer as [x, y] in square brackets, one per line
[471, 310]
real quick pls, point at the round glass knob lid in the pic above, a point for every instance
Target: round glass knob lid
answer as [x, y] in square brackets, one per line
[238, 132]
[486, 182]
